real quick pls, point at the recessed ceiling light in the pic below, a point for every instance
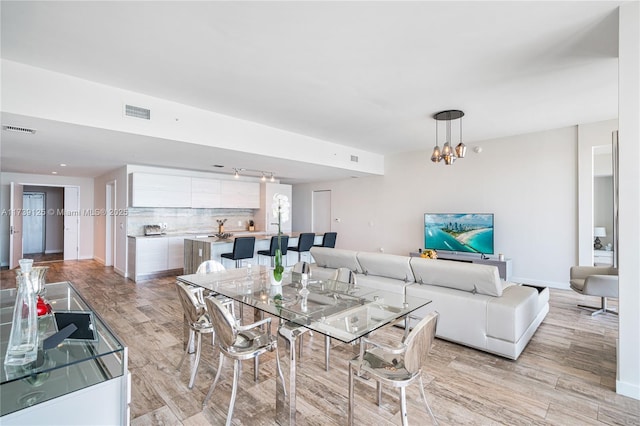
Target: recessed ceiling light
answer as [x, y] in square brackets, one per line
[63, 165]
[54, 173]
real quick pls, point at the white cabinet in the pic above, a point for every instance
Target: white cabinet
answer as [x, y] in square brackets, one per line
[151, 255]
[602, 258]
[239, 195]
[264, 218]
[154, 256]
[175, 252]
[205, 193]
[154, 190]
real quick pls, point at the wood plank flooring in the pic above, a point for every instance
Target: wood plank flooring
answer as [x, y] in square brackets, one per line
[565, 376]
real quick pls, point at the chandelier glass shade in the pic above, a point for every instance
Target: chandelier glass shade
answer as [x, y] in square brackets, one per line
[448, 153]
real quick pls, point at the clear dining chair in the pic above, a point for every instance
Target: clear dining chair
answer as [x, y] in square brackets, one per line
[397, 367]
[286, 329]
[198, 321]
[239, 343]
[208, 267]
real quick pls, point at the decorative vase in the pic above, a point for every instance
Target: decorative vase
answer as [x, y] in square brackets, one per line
[276, 287]
[23, 339]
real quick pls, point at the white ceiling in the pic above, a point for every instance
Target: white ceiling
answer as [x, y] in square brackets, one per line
[363, 74]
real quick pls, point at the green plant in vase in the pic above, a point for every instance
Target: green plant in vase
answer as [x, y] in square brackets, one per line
[281, 212]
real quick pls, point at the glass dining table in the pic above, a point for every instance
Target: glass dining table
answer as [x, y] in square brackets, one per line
[336, 309]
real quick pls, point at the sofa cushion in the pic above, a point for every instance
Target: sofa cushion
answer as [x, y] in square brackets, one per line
[471, 277]
[334, 258]
[386, 265]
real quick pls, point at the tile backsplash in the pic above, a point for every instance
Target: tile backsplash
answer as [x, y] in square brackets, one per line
[181, 220]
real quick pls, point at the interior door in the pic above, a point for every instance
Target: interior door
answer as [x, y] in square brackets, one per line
[15, 225]
[71, 222]
[321, 220]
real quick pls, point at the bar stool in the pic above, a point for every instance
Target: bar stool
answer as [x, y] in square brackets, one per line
[242, 249]
[305, 242]
[284, 242]
[328, 240]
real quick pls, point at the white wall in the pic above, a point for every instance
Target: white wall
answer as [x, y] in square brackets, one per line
[119, 176]
[86, 204]
[628, 381]
[528, 181]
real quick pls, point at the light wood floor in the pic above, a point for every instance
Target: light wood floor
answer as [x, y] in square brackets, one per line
[565, 376]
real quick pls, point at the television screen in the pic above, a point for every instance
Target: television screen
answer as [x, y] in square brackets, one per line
[467, 232]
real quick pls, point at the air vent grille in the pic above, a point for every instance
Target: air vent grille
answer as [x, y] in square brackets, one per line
[354, 158]
[19, 129]
[137, 112]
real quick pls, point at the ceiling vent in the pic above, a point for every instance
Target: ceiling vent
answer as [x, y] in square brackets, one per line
[354, 158]
[19, 129]
[137, 112]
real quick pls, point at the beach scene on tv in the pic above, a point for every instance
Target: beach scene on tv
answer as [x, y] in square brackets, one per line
[471, 233]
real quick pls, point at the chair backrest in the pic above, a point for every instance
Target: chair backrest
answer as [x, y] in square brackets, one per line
[192, 309]
[329, 239]
[209, 266]
[243, 247]
[284, 242]
[344, 275]
[419, 342]
[305, 241]
[223, 322]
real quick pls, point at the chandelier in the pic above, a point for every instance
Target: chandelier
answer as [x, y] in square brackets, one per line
[449, 154]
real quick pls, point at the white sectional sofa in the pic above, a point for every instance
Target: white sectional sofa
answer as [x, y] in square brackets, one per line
[476, 308]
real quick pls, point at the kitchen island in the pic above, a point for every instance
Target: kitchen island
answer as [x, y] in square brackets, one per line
[200, 248]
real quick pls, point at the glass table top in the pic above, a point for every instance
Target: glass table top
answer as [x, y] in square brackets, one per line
[62, 297]
[336, 309]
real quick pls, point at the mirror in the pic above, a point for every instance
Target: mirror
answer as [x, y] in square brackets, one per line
[603, 204]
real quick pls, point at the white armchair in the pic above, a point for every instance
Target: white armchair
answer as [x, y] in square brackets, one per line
[599, 281]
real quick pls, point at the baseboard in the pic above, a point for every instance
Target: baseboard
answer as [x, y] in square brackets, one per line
[120, 272]
[53, 251]
[99, 260]
[628, 389]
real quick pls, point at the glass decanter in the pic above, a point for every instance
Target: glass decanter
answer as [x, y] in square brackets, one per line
[23, 339]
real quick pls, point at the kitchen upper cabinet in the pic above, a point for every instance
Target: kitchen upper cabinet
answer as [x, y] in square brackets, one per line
[205, 193]
[154, 190]
[239, 195]
[264, 218]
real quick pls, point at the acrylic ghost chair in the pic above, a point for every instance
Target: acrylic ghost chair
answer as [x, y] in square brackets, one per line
[239, 343]
[209, 267]
[397, 367]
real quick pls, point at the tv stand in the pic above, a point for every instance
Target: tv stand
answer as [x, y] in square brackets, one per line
[504, 266]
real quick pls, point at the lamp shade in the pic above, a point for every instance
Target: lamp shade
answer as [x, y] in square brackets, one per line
[599, 231]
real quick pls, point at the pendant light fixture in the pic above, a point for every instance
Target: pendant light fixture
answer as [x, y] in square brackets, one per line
[449, 154]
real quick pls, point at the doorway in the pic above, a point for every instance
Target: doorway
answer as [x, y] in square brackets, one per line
[58, 244]
[42, 231]
[33, 224]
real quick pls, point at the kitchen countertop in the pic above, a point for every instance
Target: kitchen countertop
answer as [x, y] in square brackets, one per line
[207, 235]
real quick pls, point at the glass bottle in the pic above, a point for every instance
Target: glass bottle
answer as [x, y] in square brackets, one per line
[23, 339]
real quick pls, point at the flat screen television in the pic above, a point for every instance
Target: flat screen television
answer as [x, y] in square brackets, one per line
[459, 232]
